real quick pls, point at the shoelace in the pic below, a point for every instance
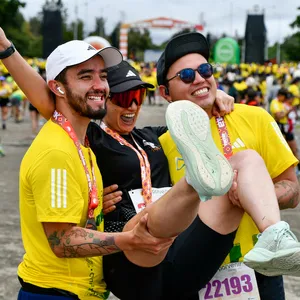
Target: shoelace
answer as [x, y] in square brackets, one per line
[281, 233]
[284, 232]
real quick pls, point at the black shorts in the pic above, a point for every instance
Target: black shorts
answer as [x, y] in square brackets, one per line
[4, 102]
[289, 136]
[191, 262]
[32, 108]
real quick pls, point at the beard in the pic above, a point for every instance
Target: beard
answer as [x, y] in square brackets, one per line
[80, 105]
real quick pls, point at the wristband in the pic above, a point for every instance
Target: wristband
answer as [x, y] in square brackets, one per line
[8, 52]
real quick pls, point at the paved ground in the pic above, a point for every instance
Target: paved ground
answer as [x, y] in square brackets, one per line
[16, 140]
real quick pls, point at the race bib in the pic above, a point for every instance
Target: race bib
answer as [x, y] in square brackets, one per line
[233, 281]
[137, 198]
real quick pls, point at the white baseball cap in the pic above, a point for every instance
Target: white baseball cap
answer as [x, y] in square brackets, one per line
[75, 52]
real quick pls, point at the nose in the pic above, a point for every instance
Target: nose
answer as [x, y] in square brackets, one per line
[198, 78]
[100, 84]
[133, 106]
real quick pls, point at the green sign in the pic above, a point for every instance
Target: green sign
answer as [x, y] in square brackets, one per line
[227, 50]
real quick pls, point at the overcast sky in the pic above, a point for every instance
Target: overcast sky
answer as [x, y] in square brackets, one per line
[218, 16]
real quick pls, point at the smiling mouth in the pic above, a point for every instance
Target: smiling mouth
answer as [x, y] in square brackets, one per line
[128, 118]
[201, 92]
[96, 98]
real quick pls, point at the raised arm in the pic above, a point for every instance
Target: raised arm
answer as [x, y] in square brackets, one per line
[29, 81]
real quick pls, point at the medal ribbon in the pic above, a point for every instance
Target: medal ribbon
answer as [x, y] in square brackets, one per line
[59, 119]
[144, 162]
[224, 135]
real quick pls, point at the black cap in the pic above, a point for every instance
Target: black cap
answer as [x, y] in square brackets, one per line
[124, 77]
[180, 45]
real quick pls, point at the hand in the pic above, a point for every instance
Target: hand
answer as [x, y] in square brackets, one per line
[110, 198]
[224, 104]
[4, 42]
[232, 193]
[142, 240]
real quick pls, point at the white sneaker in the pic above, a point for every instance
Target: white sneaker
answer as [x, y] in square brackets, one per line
[277, 252]
[207, 170]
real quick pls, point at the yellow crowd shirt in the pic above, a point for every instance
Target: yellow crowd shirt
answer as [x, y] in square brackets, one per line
[249, 127]
[295, 90]
[150, 79]
[5, 90]
[54, 188]
[277, 106]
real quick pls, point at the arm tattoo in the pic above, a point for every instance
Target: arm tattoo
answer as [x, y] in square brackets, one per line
[79, 242]
[287, 194]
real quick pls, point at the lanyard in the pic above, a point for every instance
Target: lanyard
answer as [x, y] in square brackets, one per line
[59, 119]
[224, 135]
[144, 162]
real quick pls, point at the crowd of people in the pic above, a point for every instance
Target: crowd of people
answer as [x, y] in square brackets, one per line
[87, 188]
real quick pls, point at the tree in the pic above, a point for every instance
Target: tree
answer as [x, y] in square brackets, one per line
[35, 24]
[291, 45]
[291, 48]
[114, 38]
[9, 10]
[296, 23]
[138, 41]
[100, 28]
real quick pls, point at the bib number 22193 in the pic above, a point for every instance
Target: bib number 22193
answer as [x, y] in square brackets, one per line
[233, 281]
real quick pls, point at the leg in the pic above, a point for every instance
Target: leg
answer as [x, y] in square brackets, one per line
[34, 116]
[163, 219]
[128, 281]
[193, 259]
[4, 112]
[270, 288]
[211, 177]
[256, 193]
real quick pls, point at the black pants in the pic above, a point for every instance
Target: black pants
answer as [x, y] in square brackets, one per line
[191, 262]
[270, 288]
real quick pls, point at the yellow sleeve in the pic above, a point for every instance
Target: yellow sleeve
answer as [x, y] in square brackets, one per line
[274, 107]
[274, 149]
[56, 191]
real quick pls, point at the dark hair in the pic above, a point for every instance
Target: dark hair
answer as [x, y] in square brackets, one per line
[283, 92]
[61, 77]
[251, 93]
[295, 80]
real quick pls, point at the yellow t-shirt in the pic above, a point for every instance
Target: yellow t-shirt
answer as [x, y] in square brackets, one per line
[150, 79]
[54, 188]
[277, 106]
[5, 90]
[295, 90]
[249, 127]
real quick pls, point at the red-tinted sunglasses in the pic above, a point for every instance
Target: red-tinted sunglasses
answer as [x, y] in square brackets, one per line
[125, 99]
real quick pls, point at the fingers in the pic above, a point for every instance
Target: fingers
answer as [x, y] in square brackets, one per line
[215, 110]
[233, 193]
[109, 204]
[221, 106]
[110, 198]
[110, 189]
[224, 103]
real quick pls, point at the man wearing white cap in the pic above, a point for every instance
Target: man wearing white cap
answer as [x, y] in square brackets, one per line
[61, 187]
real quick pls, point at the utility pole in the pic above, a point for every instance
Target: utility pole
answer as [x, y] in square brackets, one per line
[278, 60]
[75, 33]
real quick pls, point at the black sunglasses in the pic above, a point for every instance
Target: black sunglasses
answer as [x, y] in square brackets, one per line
[188, 75]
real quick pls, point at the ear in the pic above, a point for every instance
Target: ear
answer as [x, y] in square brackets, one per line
[57, 88]
[162, 91]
